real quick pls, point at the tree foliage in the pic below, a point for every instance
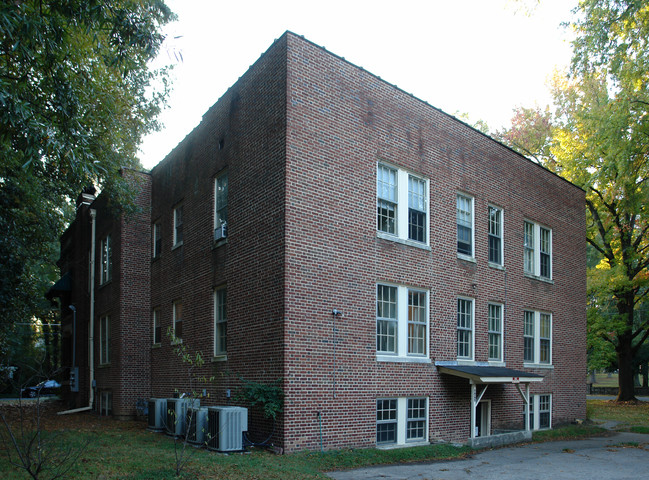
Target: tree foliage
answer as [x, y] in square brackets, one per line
[75, 100]
[599, 139]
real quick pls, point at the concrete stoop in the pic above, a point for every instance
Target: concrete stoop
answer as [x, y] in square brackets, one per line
[500, 439]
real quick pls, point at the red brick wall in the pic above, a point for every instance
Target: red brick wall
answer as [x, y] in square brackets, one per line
[341, 122]
[243, 133]
[300, 135]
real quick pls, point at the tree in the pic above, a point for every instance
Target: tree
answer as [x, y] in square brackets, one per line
[76, 97]
[600, 141]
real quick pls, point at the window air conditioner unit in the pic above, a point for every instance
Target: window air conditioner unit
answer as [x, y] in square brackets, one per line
[221, 232]
[157, 414]
[196, 421]
[225, 427]
[176, 412]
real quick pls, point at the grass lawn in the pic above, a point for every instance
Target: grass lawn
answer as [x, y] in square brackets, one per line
[629, 415]
[125, 450]
[603, 380]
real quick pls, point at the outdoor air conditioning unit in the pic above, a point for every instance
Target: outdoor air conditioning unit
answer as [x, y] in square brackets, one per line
[221, 232]
[225, 427]
[176, 411]
[157, 414]
[196, 421]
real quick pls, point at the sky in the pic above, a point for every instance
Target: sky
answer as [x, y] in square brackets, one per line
[478, 57]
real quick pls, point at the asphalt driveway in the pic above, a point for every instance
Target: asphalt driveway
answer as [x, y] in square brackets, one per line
[617, 457]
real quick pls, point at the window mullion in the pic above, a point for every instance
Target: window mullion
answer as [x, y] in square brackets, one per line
[402, 419]
[402, 204]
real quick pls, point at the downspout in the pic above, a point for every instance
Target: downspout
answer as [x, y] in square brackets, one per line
[91, 326]
[91, 335]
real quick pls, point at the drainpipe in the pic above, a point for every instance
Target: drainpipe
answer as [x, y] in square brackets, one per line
[91, 336]
[91, 326]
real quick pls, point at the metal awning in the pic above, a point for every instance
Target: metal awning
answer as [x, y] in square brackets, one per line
[489, 374]
[63, 284]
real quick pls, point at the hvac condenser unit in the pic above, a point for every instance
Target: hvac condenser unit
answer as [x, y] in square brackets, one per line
[196, 421]
[157, 414]
[225, 427]
[176, 411]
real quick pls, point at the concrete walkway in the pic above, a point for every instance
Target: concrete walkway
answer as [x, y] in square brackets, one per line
[621, 456]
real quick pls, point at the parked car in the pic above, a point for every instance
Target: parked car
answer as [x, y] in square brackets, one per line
[46, 387]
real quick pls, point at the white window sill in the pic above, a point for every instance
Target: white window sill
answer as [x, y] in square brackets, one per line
[466, 258]
[179, 244]
[540, 279]
[466, 361]
[220, 358]
[548, 366]
[400, 359]
[178, 341]
[219, 242]
[390, 446]
[410, 243]
[496, 363]
[496, 266]
[156, 345]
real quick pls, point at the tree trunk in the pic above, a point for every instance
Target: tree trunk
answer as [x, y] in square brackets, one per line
[625, 368]
[624, 350]
[645, 375]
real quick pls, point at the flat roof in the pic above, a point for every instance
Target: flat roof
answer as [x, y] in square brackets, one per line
[490, 374]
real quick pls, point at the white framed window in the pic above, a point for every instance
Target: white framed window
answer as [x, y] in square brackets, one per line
[465, 328]
[495, 331]
[537, 338]
[540, 412]
[537, 250]
[157, 239]
[221, 206]
[417, 222]
[495, 235]
[106, 265]
[178, 225]
[104, 339]
[402, 205]
[465, 225]
[401, 322]
[157, 327]
[416, 419]
[401, 420]
[105, 403]
[178, 320]
[220, 322]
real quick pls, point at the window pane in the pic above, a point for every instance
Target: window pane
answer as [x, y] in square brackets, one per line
[416, 209]
[178, 320]
[220, 322]
[387, 184]
[545, 340]
[528, 337]
[386, 421]
[544, 411]
[221, 200]
[495, 235]
[416, 322]
[464, 225]
[387, 216]
[416, 418]
[386, 321]
[495, 332]
[529, 247]
[464, 328]
[416, 225]
[178, 225]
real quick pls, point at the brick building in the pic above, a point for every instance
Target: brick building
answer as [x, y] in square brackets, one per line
[406, 278]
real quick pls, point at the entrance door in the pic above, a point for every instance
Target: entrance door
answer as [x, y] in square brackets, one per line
[483, 419]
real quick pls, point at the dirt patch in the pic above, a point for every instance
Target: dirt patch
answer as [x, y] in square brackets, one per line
[52, 421]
